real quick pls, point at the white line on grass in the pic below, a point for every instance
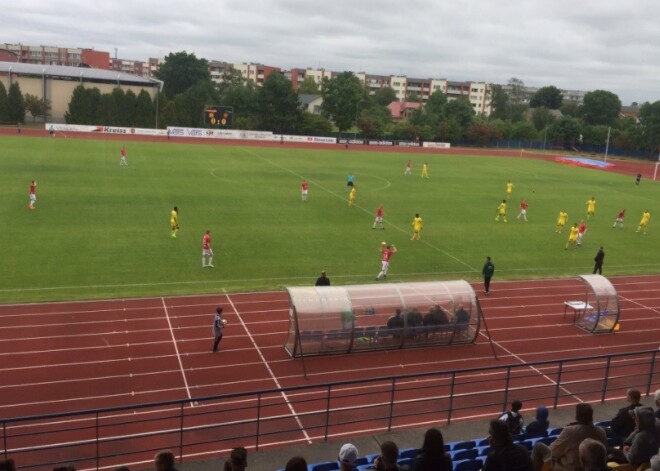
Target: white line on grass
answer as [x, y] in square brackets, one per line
[176, 349]
[270, 371]
[339, 196]
[241, 281]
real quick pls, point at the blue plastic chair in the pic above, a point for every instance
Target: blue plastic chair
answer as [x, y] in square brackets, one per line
[460, 455]
[484, 442]
[323, 466]
[469, 465]
[409, 453]
[555, 431]
[464, 445]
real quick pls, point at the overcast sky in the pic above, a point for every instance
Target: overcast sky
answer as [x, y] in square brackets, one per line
[577, 44]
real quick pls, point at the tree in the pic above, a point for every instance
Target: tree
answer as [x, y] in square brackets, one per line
[309, 87]
[601, 107]
[15, 104]
[461, 111]
[649, 119]
[499, 101]
[144, 110]
[449, 131]
[37, 107]
[541, 117]
[342, 98]
[108, 115]
[314, 124]
[570, 109]
[414, 97]
[4, 111]
[482, 133]
[190, 104]
[384, 96]
[523, 131]
[435, 105]
[277, 106]
[565, 130]
[78, 107]
[548, 97]
[374, 120]
[180, 71]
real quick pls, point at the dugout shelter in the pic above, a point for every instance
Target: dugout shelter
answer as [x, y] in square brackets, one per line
[601, 302]
[325, 320]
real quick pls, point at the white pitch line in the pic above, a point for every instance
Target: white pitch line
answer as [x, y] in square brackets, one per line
[270, 371]
[339, 196]
[176, 349]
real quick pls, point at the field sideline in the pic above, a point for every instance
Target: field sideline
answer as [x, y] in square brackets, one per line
[102, 231]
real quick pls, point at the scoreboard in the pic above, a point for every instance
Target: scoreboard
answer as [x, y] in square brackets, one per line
[218, 116]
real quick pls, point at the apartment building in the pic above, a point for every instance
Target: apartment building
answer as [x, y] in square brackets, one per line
[52, 55]
[297, 76]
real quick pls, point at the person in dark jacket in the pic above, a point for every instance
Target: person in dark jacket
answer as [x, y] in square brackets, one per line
[487, 272]
[433, 456]
[539, 425]
[504, 455]
[623, 423]
[600, 256]
[322, 280]
[644, 441]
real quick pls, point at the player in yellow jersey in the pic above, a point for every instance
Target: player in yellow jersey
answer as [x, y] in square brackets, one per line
[501, 211]
[417, 225]
[174, 221]
[591, 207]
[425, 170]
[509, 189]
[351, 197]
[572, 237]
[561, 221]
[644, 222]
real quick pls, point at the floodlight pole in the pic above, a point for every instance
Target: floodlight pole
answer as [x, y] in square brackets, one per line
[607, 143]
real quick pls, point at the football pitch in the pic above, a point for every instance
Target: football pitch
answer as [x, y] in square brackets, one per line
[102, 231]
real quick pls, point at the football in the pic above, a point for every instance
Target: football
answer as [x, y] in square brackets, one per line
[224, 322]
[383, 243]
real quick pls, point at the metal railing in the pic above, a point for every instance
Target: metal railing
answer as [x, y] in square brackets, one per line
[207, 427]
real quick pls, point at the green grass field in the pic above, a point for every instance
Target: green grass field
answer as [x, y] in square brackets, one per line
[101, 230]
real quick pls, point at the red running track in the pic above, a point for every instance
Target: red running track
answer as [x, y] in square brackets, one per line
[84, 355]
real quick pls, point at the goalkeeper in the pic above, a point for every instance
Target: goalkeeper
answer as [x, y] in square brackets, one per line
[174, 221]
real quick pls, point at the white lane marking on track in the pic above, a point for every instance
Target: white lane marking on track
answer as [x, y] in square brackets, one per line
[176, 349]
[270, 371]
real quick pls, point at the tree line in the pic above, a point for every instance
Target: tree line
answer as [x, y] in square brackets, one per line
[349, 106]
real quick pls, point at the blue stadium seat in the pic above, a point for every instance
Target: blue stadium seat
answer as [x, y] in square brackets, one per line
[469, 465]
[555, 431]
[603, 423]
[460, 455]
[463, 445]
[323, 466]
[527, 444]
[614, 441]
[483, 450]
[407, 462]
[409, 453]
[547, 440]
[360, 461]
[483, 442]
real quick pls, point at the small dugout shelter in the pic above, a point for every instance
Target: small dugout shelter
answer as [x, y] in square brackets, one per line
[325, 320]
[599, 309]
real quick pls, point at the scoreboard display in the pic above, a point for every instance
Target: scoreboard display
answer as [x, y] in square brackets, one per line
[218, 116]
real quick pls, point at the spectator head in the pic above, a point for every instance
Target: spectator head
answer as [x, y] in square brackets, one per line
[7, 465]
[164, 461]
[238, 459]
[584, 413]
[644, 418]
[593, 454]
[434, 442]
[633, 396]
[542, 414]
[657, 398]
[296, 463]
[218, 310]
[498, 433]
[516, 406]
[389, 454]
[348, 454]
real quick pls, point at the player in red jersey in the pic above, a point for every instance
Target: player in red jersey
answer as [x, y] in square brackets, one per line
[619, 219]
[33, 194]
[523, 210]
[303, 190]
[408, 170]
[379, 218]
[386, 252]
[122, 156]
[582, 230]
[207, 251]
